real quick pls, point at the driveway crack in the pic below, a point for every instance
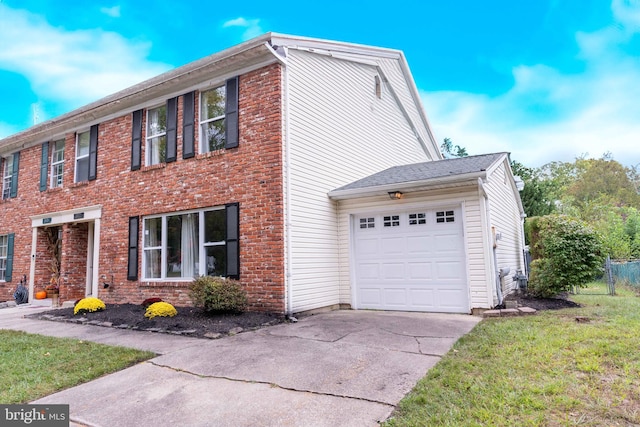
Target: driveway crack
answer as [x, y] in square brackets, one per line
[319, 393]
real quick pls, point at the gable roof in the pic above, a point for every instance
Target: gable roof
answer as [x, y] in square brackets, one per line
[420, 176]
[252, 54]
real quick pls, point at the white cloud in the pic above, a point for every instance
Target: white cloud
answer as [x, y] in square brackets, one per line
[251, 26]
[113, 12]
[551, 115]
[73, 67]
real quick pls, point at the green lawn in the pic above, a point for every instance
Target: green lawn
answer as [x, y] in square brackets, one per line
[542, 370]
[33, 366]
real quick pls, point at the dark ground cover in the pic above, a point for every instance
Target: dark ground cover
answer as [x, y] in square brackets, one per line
[195, 322]
[190, 321]
[526, 300]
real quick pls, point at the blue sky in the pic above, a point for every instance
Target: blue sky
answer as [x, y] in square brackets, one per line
[545, 80]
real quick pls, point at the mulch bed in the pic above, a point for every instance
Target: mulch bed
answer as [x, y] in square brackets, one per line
[195, 322]
[190, 321]
[525, 300]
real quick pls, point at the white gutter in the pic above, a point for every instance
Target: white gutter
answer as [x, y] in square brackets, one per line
[405, 186]
[287, 184]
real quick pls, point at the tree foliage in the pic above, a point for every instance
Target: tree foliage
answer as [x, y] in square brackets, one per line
[450, 151]
[535, 195]
[566, 253]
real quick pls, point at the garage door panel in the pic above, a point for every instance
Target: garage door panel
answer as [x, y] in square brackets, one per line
[395, 297]
[452, 298]
[419, 245]
[393, 245]
[423, 299]
[417, 265]
[420, 270]
[393, 271]
[449, 270]
[368, 271]
[368, 246]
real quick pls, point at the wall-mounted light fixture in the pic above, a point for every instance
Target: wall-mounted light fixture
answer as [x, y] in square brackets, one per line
[395, 195]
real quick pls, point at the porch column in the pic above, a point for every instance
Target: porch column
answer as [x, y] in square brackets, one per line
[32, 265]
[96, 257]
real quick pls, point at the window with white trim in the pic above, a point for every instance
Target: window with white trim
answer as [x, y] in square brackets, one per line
[445, 216]
[82, 156]
[185, 245]
[4, 250]
[57, 163]
[156, 136]
[391, 221]
[367, 222]
[212, 114]
[417, 218]
[7, 176]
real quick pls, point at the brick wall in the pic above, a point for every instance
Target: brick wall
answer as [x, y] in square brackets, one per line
[250, 175]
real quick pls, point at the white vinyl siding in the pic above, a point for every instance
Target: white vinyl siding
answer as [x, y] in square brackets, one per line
[505, 217]
[339, 131]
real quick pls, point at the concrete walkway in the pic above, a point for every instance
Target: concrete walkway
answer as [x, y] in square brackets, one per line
[346, 368]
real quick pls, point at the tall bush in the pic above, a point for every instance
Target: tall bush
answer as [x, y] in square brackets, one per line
[217, 294]
[567, 253]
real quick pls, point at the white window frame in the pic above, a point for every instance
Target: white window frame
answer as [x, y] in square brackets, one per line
[149, 137]
[57, 163]
[7, 176]
[82, 157]
[203, 143]
[4, 251]
[202, 245]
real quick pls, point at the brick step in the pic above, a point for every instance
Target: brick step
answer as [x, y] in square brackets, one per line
[510, 312]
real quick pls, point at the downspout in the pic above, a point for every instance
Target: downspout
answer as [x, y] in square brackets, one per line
[495, 262]
[287, 178]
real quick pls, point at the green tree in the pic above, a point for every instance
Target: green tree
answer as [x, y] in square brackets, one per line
[536, 194]
[450, 151]
[567, 253]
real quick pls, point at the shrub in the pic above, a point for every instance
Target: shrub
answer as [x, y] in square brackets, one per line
[146, 303]
[89, 305]
[217, 294]
[567, 253]
[160, 309]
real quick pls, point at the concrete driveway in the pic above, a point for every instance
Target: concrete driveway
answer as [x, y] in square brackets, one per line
[343, 368]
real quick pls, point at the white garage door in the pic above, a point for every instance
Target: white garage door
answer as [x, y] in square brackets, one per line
[411, 261]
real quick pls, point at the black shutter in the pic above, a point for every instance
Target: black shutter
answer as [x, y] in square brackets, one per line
[136, 141]
[93, 152]
[233, 241]
[44, 166]
[231, 114]
[8, 272]
[172, 130]
[14, 177]
[132, 265]
[188, 129]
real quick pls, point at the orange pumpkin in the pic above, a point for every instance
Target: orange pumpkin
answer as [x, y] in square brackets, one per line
[41, 294]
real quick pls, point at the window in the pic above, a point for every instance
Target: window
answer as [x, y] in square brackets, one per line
[445, 216]
[7, 176]
[417, 218]
[82, 156]
[212, 123]
[156, 147]
[57, 163]
[391, 221]
[367, 222]
[185, 245]
[4, 251]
